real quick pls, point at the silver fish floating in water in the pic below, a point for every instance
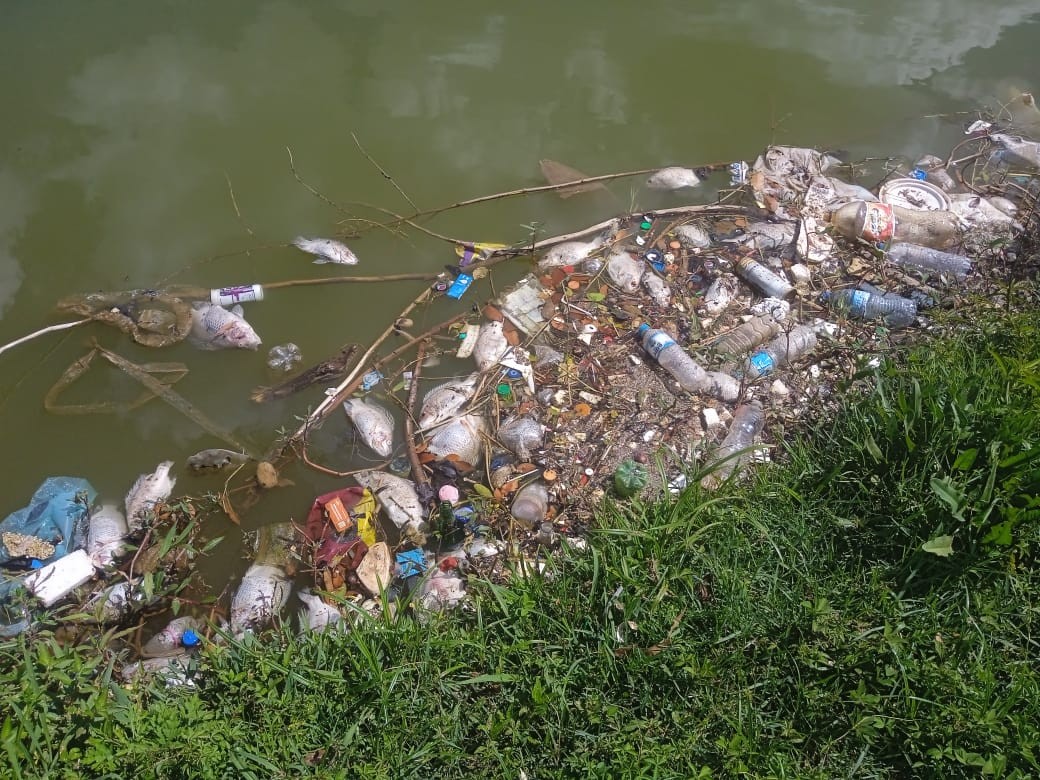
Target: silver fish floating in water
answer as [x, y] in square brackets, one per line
[326, 250]
[373, 422]
[214, 327]
[673, 178]
[318, 615]
[569, 253]
[215, 459]
[397, 496]
[105, 534]
[491, 345]
[521, 435]
[148, 490]
[463, 437]
[444, 401]
[260, 597]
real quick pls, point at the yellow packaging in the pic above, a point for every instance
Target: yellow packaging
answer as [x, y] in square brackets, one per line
[364, 512]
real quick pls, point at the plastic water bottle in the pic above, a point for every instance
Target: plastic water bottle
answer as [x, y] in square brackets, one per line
[179, 633]
[897, 311]
[881, 224]
[229, 296]
[764, 280]
[531, 504]
[687, 371]
[284, 357]
[929, 259]
[744, 338]
[785, 348]
[934, 169]
[748, 420]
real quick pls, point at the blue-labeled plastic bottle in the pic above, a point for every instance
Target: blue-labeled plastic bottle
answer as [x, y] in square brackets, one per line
[687, 371]
[784, 349]
[897, 311]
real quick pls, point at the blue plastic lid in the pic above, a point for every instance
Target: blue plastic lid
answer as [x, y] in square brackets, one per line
[643, 328]
[35, 563]
[190, 639]
[918, 174]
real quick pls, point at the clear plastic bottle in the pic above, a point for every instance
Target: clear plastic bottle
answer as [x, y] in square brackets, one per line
[763, 279]
[935, 172]
[882, 224]
[284, 357]
[735, 449]
[178, 634]
[744, 338]
[531, 504]
[929, 259]
[687, 371]
[785, 348]
[897, 311]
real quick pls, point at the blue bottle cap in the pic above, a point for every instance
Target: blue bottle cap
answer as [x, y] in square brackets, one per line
[35, 563]
[918, 174]
[190, 639]
[643, 328]
[513, 373]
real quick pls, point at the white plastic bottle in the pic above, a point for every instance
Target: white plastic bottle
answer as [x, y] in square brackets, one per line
[929, 259]
[735, 449]
[897, 311]
[687, 371]
[179, 633]
[784, 349]
[766, 281]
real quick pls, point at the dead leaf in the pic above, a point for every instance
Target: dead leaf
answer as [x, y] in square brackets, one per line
[229, 510]
[582, 410]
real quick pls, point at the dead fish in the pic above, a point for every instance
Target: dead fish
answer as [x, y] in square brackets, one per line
[462, 437]
[326, 371]
[396, 495]
[105, 534]
[558, 173]
[260, 597]
[624, 270]
[148, 490]
[373, 422]
[444, 401]
[169, 641]
[116, 602]
[491, 345]
[693, 236]
[214, 327]
[521, 435]
[215, 459]
[660, 292]
[673, 178]
[326, 250]
[569, 253]
[441, 590]
[318, 615]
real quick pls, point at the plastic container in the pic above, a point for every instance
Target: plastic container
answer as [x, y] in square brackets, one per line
[735, 449]
[897, 311]
[929, 259]
[284, 357]
[744, 338]
[914, 194]
[531, 504]
[687, 372]
[785, 348]
[243, 293]
[763, 279]
[179, 633]
[882, 224]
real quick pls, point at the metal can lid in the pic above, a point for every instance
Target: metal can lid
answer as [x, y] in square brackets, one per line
[909, 193]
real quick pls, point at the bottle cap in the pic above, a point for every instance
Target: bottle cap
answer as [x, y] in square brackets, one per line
[35, 563]
[190, 639]
[646, 224]
[504, 390]
[514, 373]
[643, 328]
[448, 493]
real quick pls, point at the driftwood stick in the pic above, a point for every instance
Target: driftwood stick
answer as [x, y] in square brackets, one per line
[427, 277]
[386, 175]
[42, 331]
[418, 473]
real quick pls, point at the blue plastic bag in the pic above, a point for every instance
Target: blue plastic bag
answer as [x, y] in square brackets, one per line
[59, 513]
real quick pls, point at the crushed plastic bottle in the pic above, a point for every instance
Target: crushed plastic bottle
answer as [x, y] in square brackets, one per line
[284, 357]
[935, 260]
[687, 372]
[179, 633]
[734, 451]
[897, 311]
[744, 338]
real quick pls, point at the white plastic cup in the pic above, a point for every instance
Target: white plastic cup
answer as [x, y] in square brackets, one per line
[229, 296]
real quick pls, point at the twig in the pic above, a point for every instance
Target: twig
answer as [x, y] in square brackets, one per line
[234, 203]
[428, 277]
[386, 175]
[314, 192]
[42, 331]
[418, 473]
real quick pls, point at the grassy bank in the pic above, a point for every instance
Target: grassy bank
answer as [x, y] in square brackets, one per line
[864, 608]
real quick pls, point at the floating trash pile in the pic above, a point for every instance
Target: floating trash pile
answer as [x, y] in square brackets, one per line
[636, 356]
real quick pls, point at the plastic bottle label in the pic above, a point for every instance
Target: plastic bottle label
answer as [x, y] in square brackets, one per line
[657, 344]
[226, 296]
[858, 301]
[879, 222]
[762, 363]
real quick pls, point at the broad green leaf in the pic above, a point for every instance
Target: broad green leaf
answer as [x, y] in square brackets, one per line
[595, 296]
[950, 494]
[873, 449]
[940, 545]
[966, 459]
[483, 490]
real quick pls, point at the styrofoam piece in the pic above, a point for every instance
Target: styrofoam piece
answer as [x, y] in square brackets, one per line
[56, 580]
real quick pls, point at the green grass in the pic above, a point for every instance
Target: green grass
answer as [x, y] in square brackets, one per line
[792, 625]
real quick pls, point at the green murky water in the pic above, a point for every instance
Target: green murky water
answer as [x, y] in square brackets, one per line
[133, 132]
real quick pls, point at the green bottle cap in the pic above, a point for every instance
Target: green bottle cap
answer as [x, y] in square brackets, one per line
[504, 390]
[646, 225]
